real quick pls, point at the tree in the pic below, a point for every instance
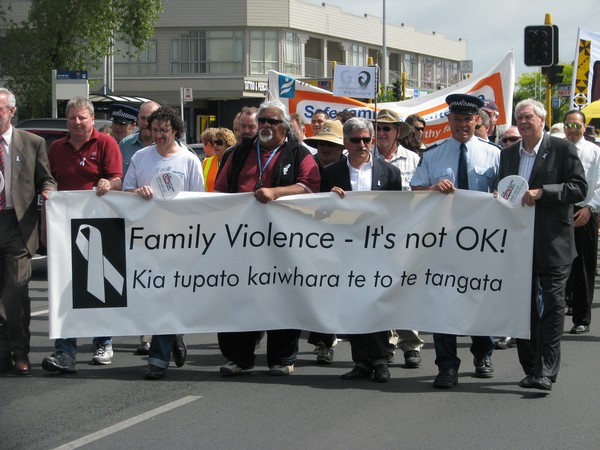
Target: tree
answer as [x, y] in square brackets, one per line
[67, 35]
[533, 85]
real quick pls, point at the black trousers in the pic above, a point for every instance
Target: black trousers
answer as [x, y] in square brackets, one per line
[540, 355]
[15, 304]
[580, 286]
[370, 349]
[282, 347]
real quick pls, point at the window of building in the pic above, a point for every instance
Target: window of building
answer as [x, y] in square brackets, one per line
[132, 61]
[427, 70]
[410, 66]
[292, 54]
[208, 52]
[356, 55]
[263, 51]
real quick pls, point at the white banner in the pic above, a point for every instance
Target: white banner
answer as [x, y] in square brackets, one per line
[585, 87]
[355, 81]
[497, 83]
[207, 262]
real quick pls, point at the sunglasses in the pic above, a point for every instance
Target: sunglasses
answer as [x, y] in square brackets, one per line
[386, 128]
[510, 139]
[270, 121]
[573, 125]
[419, 128]
[356, 140]
[219, 142]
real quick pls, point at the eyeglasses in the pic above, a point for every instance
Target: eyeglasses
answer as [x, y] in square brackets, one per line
[219, 142]
[510, 139]
[327, 144]
[270, 121]
[161, 131]
[478, 126]
[356, 140]
[386, 128]
[573, 125]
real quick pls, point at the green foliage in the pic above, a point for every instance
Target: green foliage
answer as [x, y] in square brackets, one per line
[67, 35]
[533, 85]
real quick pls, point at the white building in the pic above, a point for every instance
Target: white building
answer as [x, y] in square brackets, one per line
[224, 49]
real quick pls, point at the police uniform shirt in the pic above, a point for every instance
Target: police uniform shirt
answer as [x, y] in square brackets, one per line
[440, 162]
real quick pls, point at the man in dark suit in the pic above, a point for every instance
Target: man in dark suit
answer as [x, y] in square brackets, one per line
[556, 182]
[360, 171]
[24, 172]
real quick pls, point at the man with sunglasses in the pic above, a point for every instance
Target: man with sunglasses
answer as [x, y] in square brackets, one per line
[390, 129]
[360, 171]
[581, 282]
[272, 165]
[510, 136]
[462, 162]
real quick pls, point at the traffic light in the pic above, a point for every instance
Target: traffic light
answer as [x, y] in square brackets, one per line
[553, 73]
[540, 45]
[398, 90]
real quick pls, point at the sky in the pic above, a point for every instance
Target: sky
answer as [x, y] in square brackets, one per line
[491, 28]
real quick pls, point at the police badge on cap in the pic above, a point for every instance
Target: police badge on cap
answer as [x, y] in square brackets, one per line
[123, 114]
[463, 103]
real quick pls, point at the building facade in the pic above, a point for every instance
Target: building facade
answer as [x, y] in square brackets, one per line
[223, 51]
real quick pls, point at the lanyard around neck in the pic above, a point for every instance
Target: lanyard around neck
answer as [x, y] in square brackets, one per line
[262, 168]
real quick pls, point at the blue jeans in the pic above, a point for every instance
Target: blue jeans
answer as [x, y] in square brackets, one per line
[69, 345]
[445, 349]
[160, 350]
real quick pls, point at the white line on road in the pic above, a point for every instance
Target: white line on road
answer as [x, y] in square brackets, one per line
[40, 313]
[127, 423]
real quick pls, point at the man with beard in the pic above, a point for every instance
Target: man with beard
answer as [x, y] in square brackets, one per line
[272, 165]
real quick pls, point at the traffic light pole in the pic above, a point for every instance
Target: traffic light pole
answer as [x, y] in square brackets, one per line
[548, 21]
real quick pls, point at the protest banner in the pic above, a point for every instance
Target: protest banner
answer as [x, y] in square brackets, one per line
[496, 83]
[121, 265]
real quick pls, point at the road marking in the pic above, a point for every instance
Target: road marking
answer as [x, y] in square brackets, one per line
[127, 423]
[40, 313]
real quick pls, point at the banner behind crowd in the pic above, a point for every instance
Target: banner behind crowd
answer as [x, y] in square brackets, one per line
[120, 265]
[497, 84]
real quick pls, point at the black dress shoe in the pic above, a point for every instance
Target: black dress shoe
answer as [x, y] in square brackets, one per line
[505, 342]
[446, 379]
[381, 373]
[527, 382]
[580, 329]
[179, 350]
[143, 348]
[155, 372]
[356, 373]
[22, 367]
[543, 383]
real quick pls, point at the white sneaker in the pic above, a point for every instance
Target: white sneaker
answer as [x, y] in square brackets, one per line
[281, 370]
[103, 354]
[230, 368]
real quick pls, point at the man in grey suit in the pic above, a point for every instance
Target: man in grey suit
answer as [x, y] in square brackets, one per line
[556, 182]
[25, 172]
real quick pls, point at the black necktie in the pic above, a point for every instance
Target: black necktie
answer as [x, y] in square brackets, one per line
[462, 179]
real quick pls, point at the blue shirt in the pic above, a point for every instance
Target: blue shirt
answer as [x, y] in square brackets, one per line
[440, 162]
[129, 145]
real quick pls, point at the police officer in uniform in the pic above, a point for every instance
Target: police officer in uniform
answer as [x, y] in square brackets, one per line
[462, 162]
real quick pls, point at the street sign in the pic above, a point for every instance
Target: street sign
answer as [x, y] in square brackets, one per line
[71, 75]
[188, 95]
[563, 90]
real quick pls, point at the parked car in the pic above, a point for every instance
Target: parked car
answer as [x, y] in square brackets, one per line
[198, 149]
[52, 129]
